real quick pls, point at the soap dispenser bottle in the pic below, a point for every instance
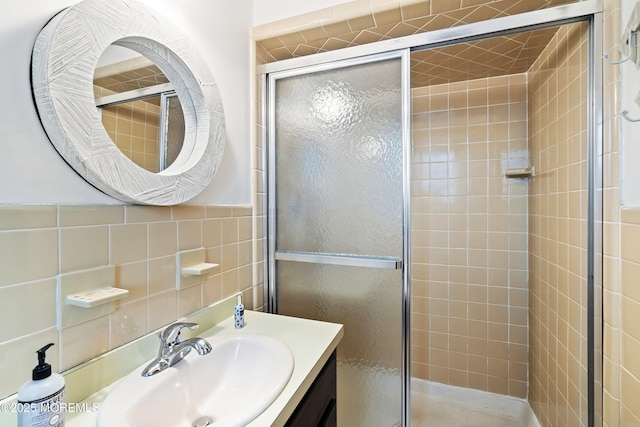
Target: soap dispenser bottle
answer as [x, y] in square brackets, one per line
[41, 400]
[238, 313]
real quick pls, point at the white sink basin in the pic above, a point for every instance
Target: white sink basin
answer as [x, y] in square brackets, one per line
[231, 386]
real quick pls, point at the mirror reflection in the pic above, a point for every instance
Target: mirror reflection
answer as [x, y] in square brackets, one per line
[140, 110]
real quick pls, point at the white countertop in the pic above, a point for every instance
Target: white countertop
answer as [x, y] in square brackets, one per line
[311, 343]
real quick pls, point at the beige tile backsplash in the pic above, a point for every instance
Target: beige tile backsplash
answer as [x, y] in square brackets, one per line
[38, 243]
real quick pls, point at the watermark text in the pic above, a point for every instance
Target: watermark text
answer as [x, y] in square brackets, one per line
[49, 407]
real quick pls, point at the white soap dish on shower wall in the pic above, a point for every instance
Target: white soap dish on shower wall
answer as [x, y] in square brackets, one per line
[96, 297]
[519, 173]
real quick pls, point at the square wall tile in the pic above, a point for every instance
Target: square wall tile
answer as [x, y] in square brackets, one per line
[189, 300]
[83, 247]
[74, 216]
[162, 275]
[18, 357]
[189, 234]
[84, 341]
[23, 217]
[137, 213]
[28, 255]
[132, 277]
[128, 322]
[127, 243]
[163, 309]
[162, 239]
[30, 308]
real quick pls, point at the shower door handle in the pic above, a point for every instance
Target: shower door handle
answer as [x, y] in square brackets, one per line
[389, 263]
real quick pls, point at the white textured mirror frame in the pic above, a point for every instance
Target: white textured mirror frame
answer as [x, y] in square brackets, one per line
[64, 58]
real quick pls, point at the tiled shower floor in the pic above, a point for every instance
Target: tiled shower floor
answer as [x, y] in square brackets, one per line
[438, 405]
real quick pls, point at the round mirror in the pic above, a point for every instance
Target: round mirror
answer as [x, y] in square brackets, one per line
[140, 109]
[64, 60]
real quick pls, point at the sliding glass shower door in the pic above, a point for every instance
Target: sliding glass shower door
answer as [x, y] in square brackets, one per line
[337, 220]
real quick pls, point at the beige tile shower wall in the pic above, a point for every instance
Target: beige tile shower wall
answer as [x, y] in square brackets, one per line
[558, 230]
[39, 242]
[469, 235]
[135, 129]
[630, 316]
[259, 176]
[611, 216]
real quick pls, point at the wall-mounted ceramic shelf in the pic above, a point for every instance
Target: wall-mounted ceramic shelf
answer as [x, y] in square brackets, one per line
[518, 173]
[199, 269]
[97, 297]
[87, 294]
[192, 268]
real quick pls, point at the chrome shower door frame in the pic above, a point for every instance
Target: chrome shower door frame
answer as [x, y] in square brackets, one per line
[271, 292]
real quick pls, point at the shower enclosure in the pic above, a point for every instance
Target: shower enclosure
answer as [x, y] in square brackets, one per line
[438, 194]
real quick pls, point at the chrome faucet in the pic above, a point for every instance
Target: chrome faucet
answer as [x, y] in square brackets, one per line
[172, 350]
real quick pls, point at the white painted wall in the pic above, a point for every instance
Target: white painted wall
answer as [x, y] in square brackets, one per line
[31, 170]
[114, 54]
[630, 144]
[265, 11]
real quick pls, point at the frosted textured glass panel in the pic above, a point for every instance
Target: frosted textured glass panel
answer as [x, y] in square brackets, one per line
[338, 190]
[339, 161]
[368, 302]
[175, 129]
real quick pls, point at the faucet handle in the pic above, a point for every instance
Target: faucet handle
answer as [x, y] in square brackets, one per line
[172, 332]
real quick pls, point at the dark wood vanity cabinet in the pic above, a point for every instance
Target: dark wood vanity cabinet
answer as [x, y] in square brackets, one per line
[318, 406]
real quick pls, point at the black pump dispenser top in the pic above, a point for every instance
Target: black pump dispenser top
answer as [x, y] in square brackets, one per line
[43, 370]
